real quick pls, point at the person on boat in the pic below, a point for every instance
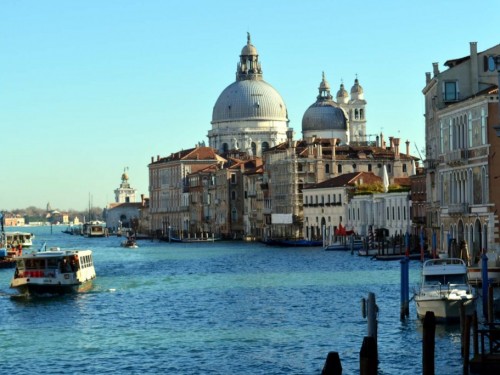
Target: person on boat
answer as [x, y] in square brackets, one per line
[65, 266]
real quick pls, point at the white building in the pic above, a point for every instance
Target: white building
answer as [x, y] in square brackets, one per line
[249, 115]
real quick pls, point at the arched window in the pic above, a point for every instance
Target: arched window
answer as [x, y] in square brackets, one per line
[265, 146]
[469, 128]
[483, 126]
[225, 147]
[254, 149]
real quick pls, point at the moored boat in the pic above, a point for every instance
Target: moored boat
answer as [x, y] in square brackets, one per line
[444, 289]
[350, 243]
[14, 239]
[293, 243]
[54, 271]
[94, 228]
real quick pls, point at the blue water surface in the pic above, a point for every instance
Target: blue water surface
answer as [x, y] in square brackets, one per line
[214, 308]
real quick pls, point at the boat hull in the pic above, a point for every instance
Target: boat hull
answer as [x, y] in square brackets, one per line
[444, 309]
[34, 287]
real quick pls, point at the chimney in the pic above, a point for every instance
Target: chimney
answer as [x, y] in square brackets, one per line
[474, 75]
[395, 142]
[377, 140]
[436, 69]
[333, 142]
[427, 77]
[407, 147]
[142, 200]
[152, 159]
[391, 143]
[382, 142]
[157, 157]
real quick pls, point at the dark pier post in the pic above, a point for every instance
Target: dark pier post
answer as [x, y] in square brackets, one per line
[466, 345]
[332, 365]
[475, 337]
[368, 362]
[428, 343]
[371, 312]
[491, 315]
[484, 280]
[405, 288]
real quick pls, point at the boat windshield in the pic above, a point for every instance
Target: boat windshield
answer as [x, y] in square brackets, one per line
[445, 279]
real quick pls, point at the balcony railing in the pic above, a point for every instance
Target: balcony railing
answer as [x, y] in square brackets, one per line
[456, 157]
[458, 208]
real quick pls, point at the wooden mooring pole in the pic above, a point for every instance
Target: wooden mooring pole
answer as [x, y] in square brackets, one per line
[428, 343]
[466, 345]
[405, 288]
[368, 362]
[332, 365]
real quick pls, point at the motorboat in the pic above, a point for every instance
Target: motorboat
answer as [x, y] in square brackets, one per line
[54, 271]
[130, 243]
[444, 289]
[94, 228]
[14, 239]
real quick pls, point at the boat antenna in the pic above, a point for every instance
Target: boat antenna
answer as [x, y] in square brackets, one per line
[43, 247]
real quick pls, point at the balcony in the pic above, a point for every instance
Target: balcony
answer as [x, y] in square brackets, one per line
[458, 208]
[456, 157]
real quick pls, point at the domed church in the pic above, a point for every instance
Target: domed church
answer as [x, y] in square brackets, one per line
[249, 115]
[343, 119]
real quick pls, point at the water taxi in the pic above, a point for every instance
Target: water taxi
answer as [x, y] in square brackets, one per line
[54, 271]
[14, 239]
[130, 243]
[444, 289]
[94, 228]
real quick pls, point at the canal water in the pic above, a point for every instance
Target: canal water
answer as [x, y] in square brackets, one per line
[214, 308]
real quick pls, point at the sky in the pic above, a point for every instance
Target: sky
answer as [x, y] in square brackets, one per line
[91, 87]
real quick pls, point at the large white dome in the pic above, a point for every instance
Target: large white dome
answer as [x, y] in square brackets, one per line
[249, 100]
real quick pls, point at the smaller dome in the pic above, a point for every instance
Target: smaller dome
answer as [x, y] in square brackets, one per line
[249, 49]
[356, 89]
[342, 93]
[324, 85]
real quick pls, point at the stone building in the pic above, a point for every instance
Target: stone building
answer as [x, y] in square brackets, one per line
[169, 188]
[249, 115]
[462, 165]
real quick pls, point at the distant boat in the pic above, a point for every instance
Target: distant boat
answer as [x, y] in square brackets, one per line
[94, 228]
[130, 243]
[193, 239]
[292, 243]
[54, 271]
[14, 239]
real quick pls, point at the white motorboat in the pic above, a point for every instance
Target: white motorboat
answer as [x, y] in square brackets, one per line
[54, 271]
[444, 289]
[14, 239]
[94, 228]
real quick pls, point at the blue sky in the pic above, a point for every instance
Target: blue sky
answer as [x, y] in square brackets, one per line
[90, 87]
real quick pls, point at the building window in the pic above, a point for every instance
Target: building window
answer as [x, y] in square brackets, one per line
[450, 91]
[483, 127]
[327, 168]
[233, 178]
[265, 146]
[354, 166]
[233, 195]
[389, 168]
[369, 167]
[340, 199]
[339, 168]
[469, 128]
[404, 168]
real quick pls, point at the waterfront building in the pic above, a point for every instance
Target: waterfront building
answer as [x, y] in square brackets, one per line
[169, 187]
[462, 164]
[125, 193]
[291, 167]
[124, 212]
[326, 203]
[249, 115]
